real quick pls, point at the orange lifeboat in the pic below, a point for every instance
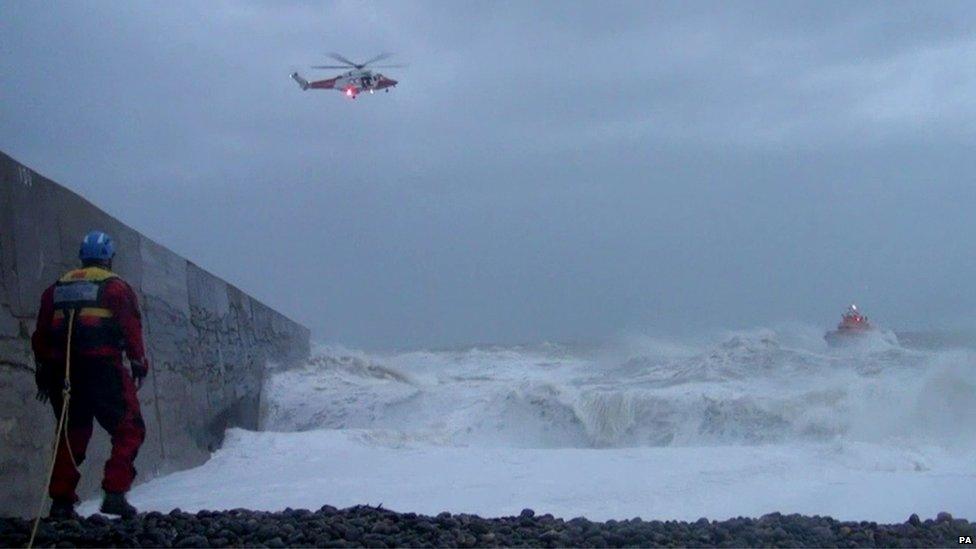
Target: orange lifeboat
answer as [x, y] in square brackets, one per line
[853, 326]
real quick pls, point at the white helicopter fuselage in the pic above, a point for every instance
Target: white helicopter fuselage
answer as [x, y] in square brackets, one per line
[362, 79]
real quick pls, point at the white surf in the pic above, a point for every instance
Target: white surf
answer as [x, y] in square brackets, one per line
[748, 424]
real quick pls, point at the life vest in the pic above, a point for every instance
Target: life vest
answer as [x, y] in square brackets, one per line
[96, 330]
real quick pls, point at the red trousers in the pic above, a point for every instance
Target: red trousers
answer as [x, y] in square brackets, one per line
[101, 389]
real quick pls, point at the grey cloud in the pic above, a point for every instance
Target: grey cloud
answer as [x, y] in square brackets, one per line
[545, 170]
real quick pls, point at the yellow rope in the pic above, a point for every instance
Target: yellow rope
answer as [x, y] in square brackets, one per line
[61, 429]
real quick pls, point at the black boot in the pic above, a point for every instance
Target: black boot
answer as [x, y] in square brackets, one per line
[115, 504]
[62, 510]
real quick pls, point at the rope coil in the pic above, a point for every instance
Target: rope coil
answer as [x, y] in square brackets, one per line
[60, 432]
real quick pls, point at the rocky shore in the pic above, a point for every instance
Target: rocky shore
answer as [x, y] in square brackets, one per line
[376, 527]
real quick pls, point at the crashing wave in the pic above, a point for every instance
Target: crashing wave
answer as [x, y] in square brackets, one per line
[748, 389]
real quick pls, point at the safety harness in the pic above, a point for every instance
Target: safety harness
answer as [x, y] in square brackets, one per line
[81, 291]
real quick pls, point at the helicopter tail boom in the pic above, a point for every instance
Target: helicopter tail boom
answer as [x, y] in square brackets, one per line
[328, 84]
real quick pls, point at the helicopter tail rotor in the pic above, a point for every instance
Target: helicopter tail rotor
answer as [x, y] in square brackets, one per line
[301, 81]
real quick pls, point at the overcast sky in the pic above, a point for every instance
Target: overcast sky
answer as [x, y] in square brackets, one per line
[544, 170]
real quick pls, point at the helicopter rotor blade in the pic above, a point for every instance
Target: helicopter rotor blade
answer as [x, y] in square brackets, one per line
[387, 66]
[342, 59]
[379, 57]
[331, 67]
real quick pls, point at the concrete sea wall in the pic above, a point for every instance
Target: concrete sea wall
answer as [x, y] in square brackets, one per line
[209, 343]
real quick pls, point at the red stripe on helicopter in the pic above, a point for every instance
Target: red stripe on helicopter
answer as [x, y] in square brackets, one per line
[324, 84]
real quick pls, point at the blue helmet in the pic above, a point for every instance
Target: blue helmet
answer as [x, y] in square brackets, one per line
[96, 246]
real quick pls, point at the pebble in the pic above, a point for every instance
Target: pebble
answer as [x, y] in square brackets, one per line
[363, 526]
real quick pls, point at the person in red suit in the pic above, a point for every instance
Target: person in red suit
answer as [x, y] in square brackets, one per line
[102, 313]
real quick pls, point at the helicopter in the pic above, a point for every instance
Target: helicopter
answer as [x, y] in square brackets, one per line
[353, 82]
